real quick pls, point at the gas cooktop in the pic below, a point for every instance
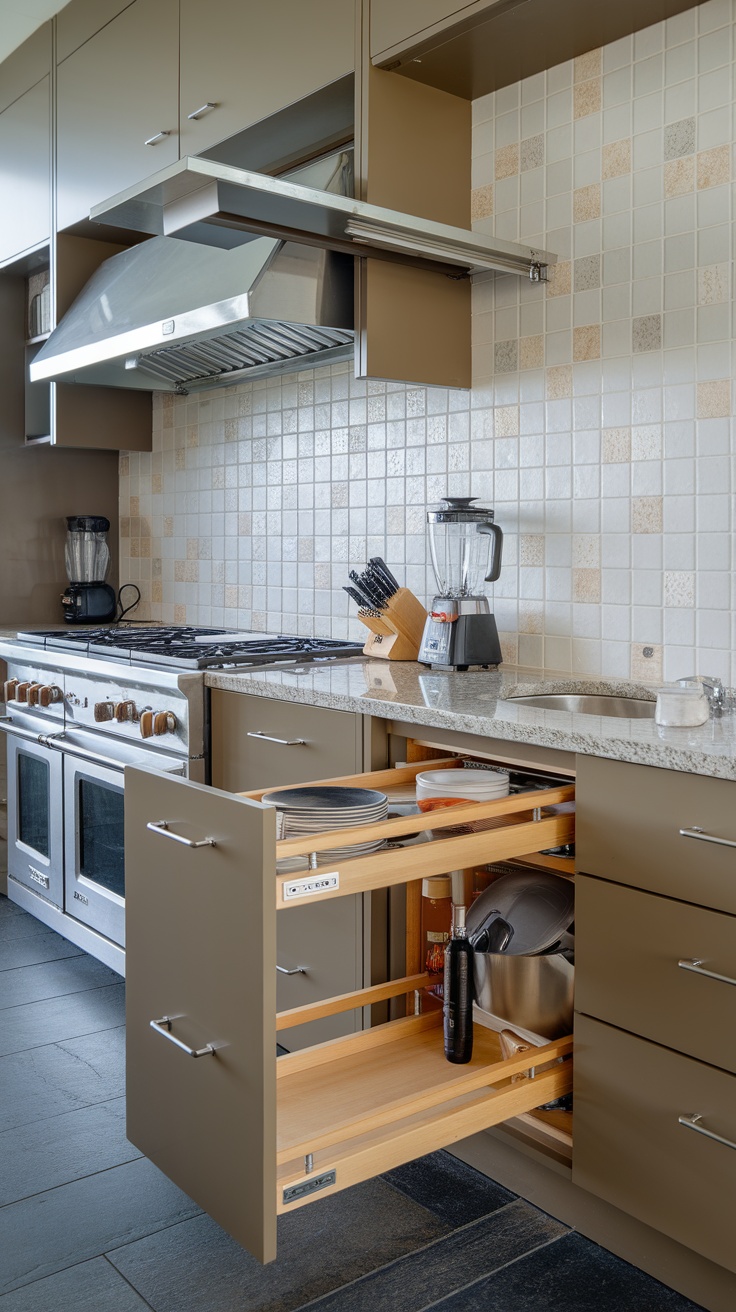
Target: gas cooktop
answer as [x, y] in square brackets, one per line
[186, 647]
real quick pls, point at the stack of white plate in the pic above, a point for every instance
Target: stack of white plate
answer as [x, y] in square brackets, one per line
[438, 788]
[315, 809]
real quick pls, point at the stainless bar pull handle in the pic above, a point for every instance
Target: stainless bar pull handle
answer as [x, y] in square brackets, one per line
[695, 964]
[283, 742]
[695, 832]
[203, 109]
[693, 1123]
[163, 1027]
[157, 136]
[8, 725]
[295, 970]
[162, 827]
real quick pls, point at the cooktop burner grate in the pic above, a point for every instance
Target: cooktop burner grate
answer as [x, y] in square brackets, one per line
[189, 647]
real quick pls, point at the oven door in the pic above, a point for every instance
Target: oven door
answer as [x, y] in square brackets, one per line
[35, 788]
[94, 857]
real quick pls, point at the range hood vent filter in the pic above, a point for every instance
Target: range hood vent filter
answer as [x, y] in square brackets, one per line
[258, 345]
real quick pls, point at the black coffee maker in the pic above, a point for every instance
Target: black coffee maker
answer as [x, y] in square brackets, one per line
[88, 598]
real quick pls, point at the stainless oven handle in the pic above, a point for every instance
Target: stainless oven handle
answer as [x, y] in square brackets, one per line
[162, 827]
[8, 725]
[283, 742]
[163, 1027]
[60, 744]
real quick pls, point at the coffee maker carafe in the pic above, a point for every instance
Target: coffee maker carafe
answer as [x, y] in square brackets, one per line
[460, 630]
[88, 599]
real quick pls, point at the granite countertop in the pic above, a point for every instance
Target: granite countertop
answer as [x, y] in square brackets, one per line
[479, 702]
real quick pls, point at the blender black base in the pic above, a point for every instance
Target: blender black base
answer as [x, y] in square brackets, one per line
[89, 603]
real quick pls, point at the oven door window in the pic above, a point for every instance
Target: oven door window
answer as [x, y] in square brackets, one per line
[33, 803]
[101, 835]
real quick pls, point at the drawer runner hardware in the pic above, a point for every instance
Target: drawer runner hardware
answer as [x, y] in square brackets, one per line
[163, 1027]
[322, 1181]
[162, 827]
[693, 1123]
[695, 964]
[695, 832]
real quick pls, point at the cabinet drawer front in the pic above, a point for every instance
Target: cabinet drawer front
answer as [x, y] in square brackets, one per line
[326, 943]
[331, 742]
[626, 969]
[631, 1149]
[629, 830]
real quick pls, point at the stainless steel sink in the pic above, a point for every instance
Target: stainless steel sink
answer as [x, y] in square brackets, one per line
[632, 708]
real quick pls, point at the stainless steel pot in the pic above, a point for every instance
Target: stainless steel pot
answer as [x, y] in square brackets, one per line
[534, 992]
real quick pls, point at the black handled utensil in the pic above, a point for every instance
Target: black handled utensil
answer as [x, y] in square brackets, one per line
[380, 565]
[360, 597]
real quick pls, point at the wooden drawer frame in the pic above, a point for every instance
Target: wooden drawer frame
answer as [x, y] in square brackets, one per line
[247, 1136]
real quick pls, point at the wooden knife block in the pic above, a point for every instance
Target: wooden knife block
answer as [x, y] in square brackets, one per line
[397, 635]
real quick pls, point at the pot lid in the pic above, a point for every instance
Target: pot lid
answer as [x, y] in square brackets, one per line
[521, 913]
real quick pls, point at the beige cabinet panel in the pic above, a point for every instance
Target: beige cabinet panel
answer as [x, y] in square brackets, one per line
[315, 742]
[628, 945]
[631, 1149]
[250, 61]
[79, 21]
[25, 66]
[399, 22]
[629, 830]
[25, 172]
[115, 93]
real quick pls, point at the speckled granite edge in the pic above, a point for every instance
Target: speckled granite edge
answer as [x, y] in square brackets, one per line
[481, 703]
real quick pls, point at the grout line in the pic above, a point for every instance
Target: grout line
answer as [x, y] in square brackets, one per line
[496, 1270]
[128, 1282]
[52, 1189]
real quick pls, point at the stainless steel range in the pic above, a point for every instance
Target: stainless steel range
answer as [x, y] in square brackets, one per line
[82, 705]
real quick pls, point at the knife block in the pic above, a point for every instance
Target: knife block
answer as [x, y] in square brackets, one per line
[397, 635]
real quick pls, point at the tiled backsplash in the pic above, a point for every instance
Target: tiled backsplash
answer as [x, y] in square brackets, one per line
[598, 426]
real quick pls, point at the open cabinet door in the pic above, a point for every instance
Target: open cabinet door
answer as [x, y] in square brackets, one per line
[201, 961]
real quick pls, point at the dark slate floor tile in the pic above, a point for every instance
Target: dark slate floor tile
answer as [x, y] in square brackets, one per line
[569, 1275]
[26, 942]
[56, 1019]
[53, 979]
[61, 1077]
[10, 912]
[197, 1268]
[84, 1219]
[419, 1279]
[89, 1287]
[449, 1188]
[52, 1152]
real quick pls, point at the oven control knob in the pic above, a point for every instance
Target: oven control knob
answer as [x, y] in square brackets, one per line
[146, 723]
[32, 694]
[50, 693]
[9, 690]
[104, 711]
[125, 711]
[21, 692]
[164, 722]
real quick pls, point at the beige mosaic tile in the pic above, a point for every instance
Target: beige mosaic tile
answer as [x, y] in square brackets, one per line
[531, 352]
[168, 526]
[531, 617]
[531, 154]
[509, 648]
[481, 202]
[322, 575]
[616, 158]
[586, 550]
[506, 357]
[232, 596]
[135, 548]
[145, 548]
[245, 403]
[713, 167]
[646, 333]
[646, 514]
[586, 203]
[587, 273]
[135, 505]
[531, 549]
[157, 484]
[560, 279]
[559, 381]
[186, 571]
[193, 436]
[615, 445]
[713, 284]
[586, 585]
[714, 399]
[679, 587]
[506, 421]
[586, 342]
[192, 548]
[180, 458]
[679, 138]
[587, 65]
[124, 466]
[679, 177]
[586, 98]
[506, 162]
[157, 590]
[180, 614]
[156, 567]
[646, 662]
[125, 526]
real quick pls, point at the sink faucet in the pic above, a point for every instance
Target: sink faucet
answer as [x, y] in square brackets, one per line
[714, 691]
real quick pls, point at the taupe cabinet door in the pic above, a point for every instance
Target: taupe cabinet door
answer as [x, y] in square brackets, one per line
[395, 24]
[200, 929]
[25, 172]
[250, 60]
[116, 92]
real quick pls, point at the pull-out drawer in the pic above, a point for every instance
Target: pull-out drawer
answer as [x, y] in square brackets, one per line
[661, 968]
[249, 1137]
[655, 1135]
[257, 738]
[661, 830]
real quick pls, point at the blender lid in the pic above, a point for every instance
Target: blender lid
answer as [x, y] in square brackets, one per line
[521, 913]
[459, 510]
[87, 524]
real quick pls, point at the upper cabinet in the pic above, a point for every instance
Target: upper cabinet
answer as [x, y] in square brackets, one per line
[241, 63]
[117, 107]
[396, 24]
[25, 146]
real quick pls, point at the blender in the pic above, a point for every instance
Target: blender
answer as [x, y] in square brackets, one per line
[460, 630]
[88, 598]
